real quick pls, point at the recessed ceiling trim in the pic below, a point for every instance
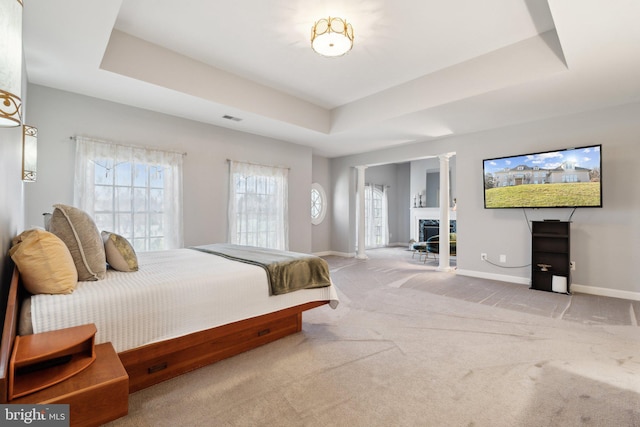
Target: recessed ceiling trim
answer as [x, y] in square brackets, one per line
[529, 60]
[136, 58]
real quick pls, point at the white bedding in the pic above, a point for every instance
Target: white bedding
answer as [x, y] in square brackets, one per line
[174, 293]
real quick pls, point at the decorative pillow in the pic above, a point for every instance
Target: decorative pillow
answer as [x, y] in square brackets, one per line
[120, 254]
[78, 231]
[44, 263]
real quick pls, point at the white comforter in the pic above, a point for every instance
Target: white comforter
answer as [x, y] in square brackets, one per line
[174, 293]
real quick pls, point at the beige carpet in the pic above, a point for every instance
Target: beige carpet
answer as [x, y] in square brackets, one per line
[410, 346]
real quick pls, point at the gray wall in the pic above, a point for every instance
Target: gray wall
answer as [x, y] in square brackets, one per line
[11, 195]
[605, 242]
[419, 169]
[59, 115]
[321, 233]
[11, 203]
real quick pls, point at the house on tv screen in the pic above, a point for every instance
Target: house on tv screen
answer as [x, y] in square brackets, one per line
[567, 172]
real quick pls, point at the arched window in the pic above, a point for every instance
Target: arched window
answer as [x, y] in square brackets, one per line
[318, 203]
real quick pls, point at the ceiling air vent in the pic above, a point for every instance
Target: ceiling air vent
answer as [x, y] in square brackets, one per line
[235, 119]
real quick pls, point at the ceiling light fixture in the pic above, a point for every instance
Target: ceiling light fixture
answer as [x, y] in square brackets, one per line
[332, 37]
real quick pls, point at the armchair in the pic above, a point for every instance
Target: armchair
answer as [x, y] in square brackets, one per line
[433, 244]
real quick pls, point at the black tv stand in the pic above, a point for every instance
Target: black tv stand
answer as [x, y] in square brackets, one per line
[550, 243]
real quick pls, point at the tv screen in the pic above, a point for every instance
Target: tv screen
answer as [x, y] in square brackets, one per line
[567, 178]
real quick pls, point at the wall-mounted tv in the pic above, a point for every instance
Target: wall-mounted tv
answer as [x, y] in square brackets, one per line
[567, 178]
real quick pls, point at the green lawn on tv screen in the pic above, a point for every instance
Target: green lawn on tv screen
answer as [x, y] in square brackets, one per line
[540, 195]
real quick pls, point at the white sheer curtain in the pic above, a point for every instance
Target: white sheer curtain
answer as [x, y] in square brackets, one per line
[258, 205]
[132, 191]
[376, 216]
[384, 220]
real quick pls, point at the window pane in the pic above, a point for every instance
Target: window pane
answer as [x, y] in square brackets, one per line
[103, 198]
[156, 244]
[104, 222]
[124, 225]
[140, 225]
[140, 245]
[155, 224]
[141, 176]
[140, 200]
[156, 200]
[156, 177]
[103, 171]
[123, 174]
[123, 201]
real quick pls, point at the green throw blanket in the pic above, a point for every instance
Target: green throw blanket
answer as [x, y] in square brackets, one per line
[286, 271]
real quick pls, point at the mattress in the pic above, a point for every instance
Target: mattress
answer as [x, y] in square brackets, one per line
[174, 293]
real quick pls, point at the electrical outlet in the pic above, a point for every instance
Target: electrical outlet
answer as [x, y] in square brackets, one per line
[503, 258]
[572, 265]
[483, 256]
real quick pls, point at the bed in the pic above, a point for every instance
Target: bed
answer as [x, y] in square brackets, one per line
[181, 310]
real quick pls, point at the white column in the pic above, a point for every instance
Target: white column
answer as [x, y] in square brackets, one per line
[444, 255]
[361, 252]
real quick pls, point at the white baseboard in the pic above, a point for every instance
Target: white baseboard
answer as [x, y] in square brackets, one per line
[401, 244]
[334, 253]
[605, 292]
[574, 287]
[353, 254]
[493, 276]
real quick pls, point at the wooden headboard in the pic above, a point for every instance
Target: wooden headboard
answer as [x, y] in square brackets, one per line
[8, 335]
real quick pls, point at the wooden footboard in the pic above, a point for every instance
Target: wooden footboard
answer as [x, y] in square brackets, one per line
[154, 363]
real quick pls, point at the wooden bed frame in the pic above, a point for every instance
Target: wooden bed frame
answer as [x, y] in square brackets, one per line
[157, 362]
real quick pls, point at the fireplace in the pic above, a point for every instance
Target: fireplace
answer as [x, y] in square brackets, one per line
[431, 227]
[420, 215]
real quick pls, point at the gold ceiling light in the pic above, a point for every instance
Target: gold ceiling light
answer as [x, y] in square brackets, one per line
[10, 62]
[332, 37]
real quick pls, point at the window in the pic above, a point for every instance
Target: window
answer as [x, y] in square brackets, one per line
[318, 203]
[258, 207]
[373, 217]
[376, 223]
[131, 191]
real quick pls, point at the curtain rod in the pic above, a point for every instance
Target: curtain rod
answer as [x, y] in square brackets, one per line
[258, 164]
[103, 141]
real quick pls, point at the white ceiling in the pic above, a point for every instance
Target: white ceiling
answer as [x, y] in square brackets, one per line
[419, 69]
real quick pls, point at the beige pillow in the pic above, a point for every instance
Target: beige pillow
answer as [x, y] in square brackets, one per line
[44, 263]
[120, 254]
[78, 231]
